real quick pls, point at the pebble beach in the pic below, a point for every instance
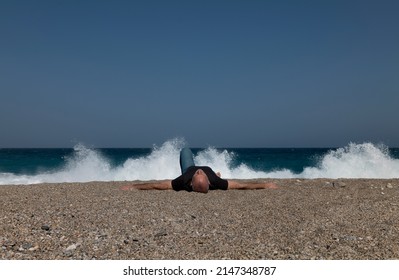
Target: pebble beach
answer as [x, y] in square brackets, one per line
[304, 219]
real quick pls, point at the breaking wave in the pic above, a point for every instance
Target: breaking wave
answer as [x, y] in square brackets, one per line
[353, 161]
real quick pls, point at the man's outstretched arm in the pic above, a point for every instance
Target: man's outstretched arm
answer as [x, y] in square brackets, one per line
[167, 185]
[251, 185]
[152, 185]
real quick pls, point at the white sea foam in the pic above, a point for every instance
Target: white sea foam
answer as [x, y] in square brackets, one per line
[87, 165]
[353, 161]
[162, 163]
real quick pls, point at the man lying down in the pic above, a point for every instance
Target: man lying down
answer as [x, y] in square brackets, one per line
[198, 179]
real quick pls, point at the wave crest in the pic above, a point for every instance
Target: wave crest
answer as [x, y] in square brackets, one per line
[356, 161]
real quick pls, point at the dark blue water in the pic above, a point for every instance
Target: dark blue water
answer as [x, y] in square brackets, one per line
[293, 159]
[33, 161]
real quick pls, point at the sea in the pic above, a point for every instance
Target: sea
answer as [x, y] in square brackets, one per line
[84, 164]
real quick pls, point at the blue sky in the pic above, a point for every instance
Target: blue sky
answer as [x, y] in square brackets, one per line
[221, 73]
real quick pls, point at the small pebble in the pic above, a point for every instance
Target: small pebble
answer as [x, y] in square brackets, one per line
[68, 253]
[161, 233]
[34, 248]
[26, 246]
[339, 184]
[71, 247]
[350, 238]
[45, 227]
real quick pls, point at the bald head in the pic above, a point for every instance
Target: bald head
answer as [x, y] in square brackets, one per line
[200, 181]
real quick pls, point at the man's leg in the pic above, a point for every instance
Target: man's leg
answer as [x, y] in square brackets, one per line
[186, 159]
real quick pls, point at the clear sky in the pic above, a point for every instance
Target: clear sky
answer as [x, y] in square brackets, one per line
[221, 73]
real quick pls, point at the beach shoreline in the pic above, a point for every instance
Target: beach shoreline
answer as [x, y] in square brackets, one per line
[301, 219]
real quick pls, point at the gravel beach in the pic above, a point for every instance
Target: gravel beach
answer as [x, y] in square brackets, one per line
[301, 219]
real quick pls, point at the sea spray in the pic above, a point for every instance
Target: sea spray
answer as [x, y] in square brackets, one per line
[224, 162]
[355, 161]
[86, 164]
[161, 163]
